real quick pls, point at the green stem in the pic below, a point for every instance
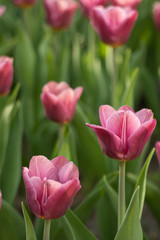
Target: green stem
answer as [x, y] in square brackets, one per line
[46, 233]
[60, 137]
[121, 193]
[114, 78]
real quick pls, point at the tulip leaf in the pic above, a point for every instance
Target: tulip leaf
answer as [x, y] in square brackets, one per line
[11, 174]
[30, 233]
[130, 228]
[11, 223]
[67, 228]
[141, 181]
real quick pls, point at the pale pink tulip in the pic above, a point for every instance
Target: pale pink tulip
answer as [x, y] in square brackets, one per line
[2, 10]
[157, 146]
[50, 186]
[126, 3]
[123, 133]
[6, 74]
[24, 3]
[59, 101]
[87, 5]
[60, 13]
[113, 24]
[156, 14]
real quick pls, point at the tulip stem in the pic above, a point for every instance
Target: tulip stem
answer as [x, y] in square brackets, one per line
[60, 137]
[114, 78]
[46, 233]
[121, 193]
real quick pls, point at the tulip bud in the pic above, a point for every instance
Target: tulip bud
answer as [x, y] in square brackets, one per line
[60, 13]
[50, 186]
[59, 101]
[6, 74]
[123, 133]
[113, 24]
[156, 14]
[126, 3]
[24, 3]
[2, 10]
[87, 5]
[157, 146]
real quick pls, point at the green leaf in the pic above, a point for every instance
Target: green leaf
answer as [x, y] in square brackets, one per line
[130, 228]
[11, 173]
[67, 228]
[30, 233]
[141, 181]
[11, 223]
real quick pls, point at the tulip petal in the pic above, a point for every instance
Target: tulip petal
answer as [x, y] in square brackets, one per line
[59, 162]
[68, 172]
[144, 115]
[125, 108]
[105, 111]
[38, 186]
[77, 93]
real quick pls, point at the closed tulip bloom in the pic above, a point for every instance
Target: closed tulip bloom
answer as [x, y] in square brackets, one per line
[87, 5]
[157, 145]
[24, 3]
[2, 10]
[0, 199]
[6, 74]
[113, 24]
[156, 14]
[50, 186]
[126, 3]
[123, 133]
[60, 13]
[59, 101]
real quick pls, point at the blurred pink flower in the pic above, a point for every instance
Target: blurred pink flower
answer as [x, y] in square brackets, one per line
[60, 13]
[123, 133]
[2, 10]
[157, 146]
[0, 199]
[6, 74]
[59, 101]
[50, 186]
[156, 14]
[113, 24]
[126, 3]
[87, 5]
[24, 3]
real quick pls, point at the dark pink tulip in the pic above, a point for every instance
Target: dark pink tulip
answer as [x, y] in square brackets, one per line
[113, 24]
[156, 14]
[2, 10]
[157, 145]
[24, 3]
[60, 13]
[123, 133]
[126, 3]
[59, 101]
[87, 5]
[50, 186]
[6, 74]
[0, 199]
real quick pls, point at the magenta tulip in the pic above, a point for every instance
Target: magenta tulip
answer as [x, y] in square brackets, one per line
[6, 74]
[60, 13]
[157, 146]
[2, 10]
[24, 3]
[156, 14]
[0, 199]
[126, 3]
[113, 24]
[123, 133]
[87, 5]
[59, 101]
[50, 186]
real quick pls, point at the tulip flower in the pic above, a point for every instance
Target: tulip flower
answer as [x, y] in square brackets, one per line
[113, 24]
[123, 133]
[0, 199]
[2, 10]
[59, 101]
[24, 3]
[6, 74]
[156, 14]
[50, 186]
[87, 5]
[126, 3]
[60, 13]
[157, 146]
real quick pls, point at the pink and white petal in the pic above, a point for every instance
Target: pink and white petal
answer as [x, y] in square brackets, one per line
[115, 123]
[2, 10]
[144, 115]
[58, 203]
[59, 162]
[132, 123]
[52, 186]
[105, 111]
[38, 186]
[49, 87]
[110, 143]
[68, 172]
[77, 93]
[126, 108]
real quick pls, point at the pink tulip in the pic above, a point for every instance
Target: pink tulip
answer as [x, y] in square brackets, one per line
[59, 101]
[50, 186]
[123, 133]
[0, 199]
[126, 3]
[157, 145]
[60, 13]
[87, 5]
[156, 14]
[2, 10]
[24, 3]
[6, 74]
[113, 24]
